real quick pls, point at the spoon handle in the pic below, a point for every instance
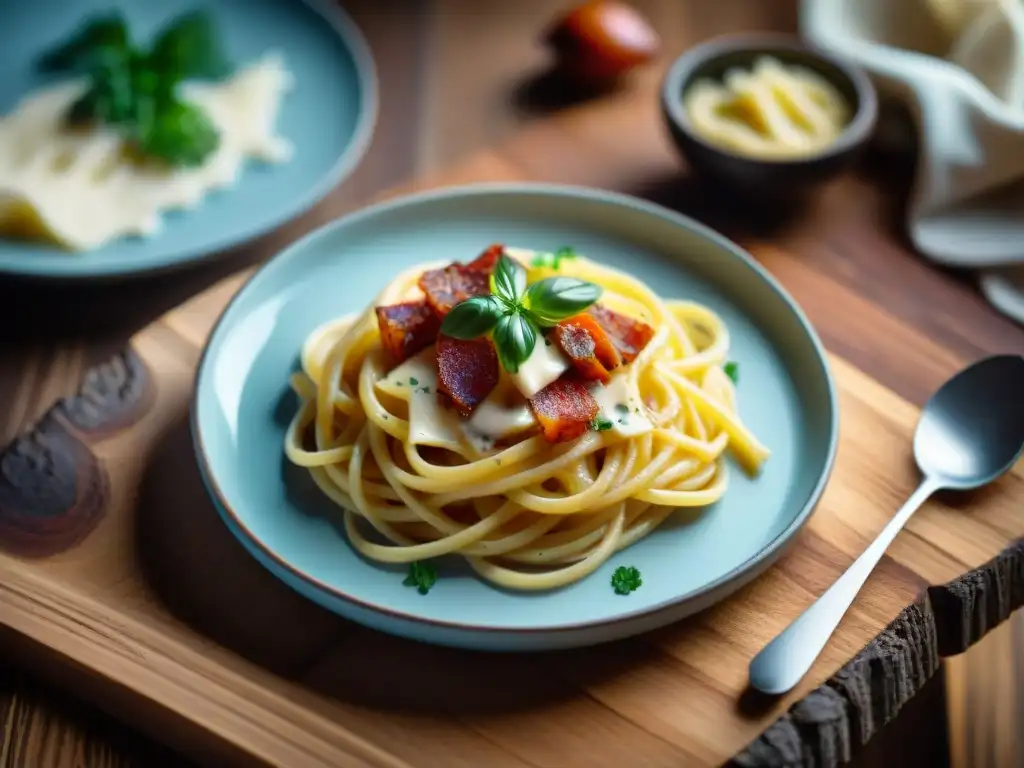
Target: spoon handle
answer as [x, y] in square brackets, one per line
[780, 664]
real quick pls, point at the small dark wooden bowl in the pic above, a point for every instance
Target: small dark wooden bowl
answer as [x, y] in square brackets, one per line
[779, 178]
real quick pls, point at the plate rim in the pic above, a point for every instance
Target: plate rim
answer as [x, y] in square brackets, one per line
[757, 563]
[345, 28]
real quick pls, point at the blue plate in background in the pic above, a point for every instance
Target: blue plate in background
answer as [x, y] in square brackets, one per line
[328, 116]
[243, 404]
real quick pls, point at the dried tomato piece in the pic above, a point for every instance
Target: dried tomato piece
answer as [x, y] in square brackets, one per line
[564, 409]
[588, 346]
[629, 335]
[407, 328]
[467, 371]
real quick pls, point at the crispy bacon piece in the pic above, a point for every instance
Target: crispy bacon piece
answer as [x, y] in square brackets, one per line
[407, 328]
[588, 346]
[628, 335]
[486, 261]
[447, 287]
[564, 409]
[457, 282]
[467, 371]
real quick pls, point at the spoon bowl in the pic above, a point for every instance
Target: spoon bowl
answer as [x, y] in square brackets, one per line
[972, 429]
[970, 432]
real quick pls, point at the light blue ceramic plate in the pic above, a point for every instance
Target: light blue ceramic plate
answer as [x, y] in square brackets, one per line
[328, 116]
[243, 404]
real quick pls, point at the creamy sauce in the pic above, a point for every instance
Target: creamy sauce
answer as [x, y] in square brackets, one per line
[771, 111]
[81, 189]
[430, 423]
[415, 382]
[628, 417]
[545, 364]
[493, 420]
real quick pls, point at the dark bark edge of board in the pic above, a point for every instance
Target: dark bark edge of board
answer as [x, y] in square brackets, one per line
[828, 726]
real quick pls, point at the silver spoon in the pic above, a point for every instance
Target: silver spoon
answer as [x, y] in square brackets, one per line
[970, 432]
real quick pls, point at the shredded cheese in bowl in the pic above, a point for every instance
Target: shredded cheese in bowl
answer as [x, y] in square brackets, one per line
[772, 111]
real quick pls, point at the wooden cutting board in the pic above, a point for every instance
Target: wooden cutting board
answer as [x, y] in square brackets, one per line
[118, 576]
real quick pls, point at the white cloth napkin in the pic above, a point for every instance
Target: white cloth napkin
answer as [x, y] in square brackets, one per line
[959, 67]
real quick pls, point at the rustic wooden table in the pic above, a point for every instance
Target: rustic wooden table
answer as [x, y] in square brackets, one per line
[458, 78]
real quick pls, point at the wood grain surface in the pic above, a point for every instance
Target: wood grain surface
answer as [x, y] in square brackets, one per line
[150, 594]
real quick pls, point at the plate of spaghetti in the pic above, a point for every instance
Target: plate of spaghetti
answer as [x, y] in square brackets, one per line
[514, 417]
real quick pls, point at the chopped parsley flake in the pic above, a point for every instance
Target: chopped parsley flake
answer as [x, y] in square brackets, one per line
[600, 424]
[622, 408]
[425, 390]
[732, 370]
[626, 579]
[422, 576]
[413, 381]
[547, 342]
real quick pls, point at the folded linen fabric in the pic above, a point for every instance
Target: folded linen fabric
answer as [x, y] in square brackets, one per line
[959, 67]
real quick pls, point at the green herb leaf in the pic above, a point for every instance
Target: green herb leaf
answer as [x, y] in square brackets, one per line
[626, 579]
[110, 98]
[600, 424]
[146, 80]
[622, 408]
[106, 32]
[422, 576]
[732, 370]
[180, 134]
[553, 260]
[556, 298]
[508, 281]
[472, 317]
[134, 90]
[188, 47]
[514, 339]
[565, 252]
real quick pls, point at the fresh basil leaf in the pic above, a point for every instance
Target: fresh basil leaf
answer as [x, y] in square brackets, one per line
[514, 339]
[507, 306]
[471, 318]
[508, 280]
[108, 31]
[188, 47]
[556, 298]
